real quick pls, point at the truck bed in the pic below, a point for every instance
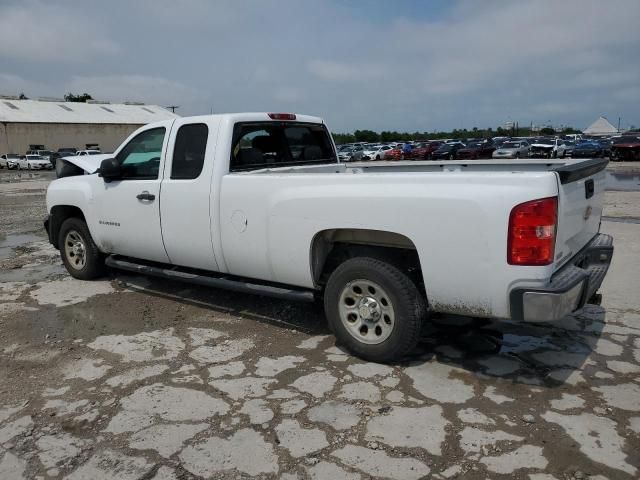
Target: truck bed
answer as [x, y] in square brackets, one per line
[429, 166]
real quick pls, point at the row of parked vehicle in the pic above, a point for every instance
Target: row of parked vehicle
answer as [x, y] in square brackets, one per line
[40, 159]
[626, 147]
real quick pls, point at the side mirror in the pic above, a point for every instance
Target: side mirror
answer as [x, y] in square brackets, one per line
[109, 169]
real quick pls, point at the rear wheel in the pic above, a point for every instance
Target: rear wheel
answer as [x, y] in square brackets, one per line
[374, 309]
[79, 253]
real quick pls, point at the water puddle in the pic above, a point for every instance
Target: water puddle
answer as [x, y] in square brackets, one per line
[8, 243]
[626, 182]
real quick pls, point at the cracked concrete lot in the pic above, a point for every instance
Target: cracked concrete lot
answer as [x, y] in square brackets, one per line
[136, 378]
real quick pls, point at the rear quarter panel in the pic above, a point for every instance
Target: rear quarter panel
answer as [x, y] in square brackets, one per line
[457, 221]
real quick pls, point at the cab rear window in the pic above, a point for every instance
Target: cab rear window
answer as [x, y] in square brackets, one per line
[273, 144]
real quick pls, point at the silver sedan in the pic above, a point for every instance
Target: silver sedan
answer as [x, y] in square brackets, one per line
[512, 149]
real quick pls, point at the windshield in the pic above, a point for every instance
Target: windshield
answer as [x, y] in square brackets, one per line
[511, 145]
[544, 141]
[13, 155]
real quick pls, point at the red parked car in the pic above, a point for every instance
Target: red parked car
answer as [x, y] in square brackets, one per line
[394, 154]
[626, 148]
[423, 151]
[476, 150]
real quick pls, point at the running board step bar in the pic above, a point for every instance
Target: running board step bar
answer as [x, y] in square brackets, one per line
[236, 285]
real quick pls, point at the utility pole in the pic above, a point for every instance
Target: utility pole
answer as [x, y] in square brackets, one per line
[618, 124]
[172, 108]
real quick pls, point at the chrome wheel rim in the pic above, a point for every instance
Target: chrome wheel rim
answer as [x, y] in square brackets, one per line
[75, 250]
[366, 311]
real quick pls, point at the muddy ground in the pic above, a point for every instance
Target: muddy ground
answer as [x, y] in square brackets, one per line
[135, 378]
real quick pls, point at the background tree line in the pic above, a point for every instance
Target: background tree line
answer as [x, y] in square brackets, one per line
[391, 136]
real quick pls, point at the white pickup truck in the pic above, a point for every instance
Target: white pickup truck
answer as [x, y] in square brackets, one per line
[259, 203]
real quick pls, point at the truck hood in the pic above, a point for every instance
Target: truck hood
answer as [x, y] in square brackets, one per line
[88, 163]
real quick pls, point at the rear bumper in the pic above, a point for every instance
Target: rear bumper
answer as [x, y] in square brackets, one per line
[569, 289]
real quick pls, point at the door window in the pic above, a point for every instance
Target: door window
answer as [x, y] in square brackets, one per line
[189, 151]
[140, 158]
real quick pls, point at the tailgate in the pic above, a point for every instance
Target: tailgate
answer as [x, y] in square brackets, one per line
[581, 186]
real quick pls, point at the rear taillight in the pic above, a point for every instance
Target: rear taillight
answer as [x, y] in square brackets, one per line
[532, 232]
[282, 116]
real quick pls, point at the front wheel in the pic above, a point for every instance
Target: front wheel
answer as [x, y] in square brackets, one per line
[374, 309]
[79, 253]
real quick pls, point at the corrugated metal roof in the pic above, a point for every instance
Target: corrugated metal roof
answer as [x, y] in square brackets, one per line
[33, 111]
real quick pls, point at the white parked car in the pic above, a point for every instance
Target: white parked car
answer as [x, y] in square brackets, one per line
[376, 152]
[260, 204]
[9, 160]
[34, 162]
[81, 153]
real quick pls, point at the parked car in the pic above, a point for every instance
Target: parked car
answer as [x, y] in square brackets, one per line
[476, 150]
[565, 149]
[606, 144]
[512, 149]
[394, 154]
[351, 154]
[376, 152]
[626, 148]
[261, 223]
[9, 160]
[41, 153]
[88, 152]
[61, 153]
[587, 150]
[423, 150]
[34, 162]
[447, 151]
[543, 148]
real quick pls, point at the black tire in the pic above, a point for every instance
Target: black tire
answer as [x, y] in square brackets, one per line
[517, 154]
[408, 304]
[94, 266]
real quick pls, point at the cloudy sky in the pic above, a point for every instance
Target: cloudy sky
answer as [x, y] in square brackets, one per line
[377, 64]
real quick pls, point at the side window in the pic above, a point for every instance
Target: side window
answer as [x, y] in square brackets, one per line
[189, 151]
[140, 158]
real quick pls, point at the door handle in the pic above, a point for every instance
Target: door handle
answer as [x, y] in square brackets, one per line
[146, 196]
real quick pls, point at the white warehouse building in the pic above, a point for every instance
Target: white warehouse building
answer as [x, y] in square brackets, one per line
[52, 124]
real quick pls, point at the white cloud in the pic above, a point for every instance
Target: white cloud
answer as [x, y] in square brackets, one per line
[287, 94]
[472, 64]
[36, 32]
[345, 72]
[135, 88]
